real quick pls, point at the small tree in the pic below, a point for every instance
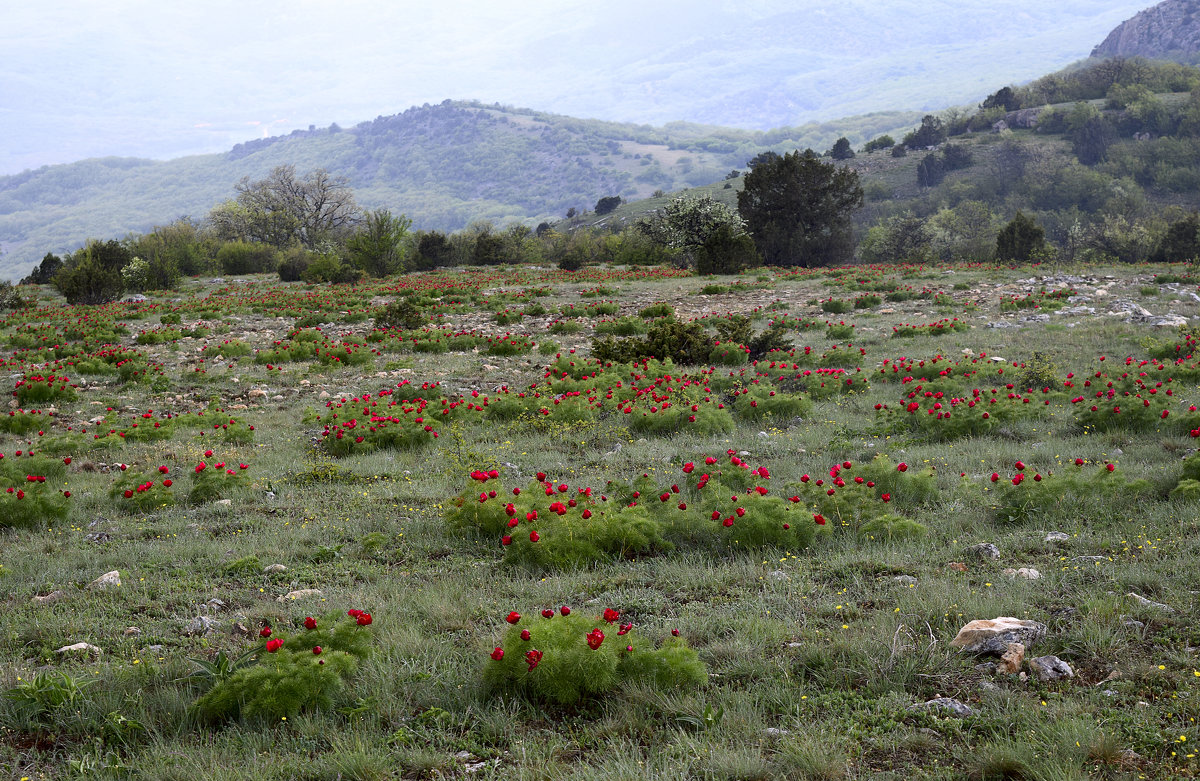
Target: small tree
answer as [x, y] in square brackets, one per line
[1019, 239]
[607, 204]
[841, 149]
[377, 247]
[93, 274]
[433, 249]
[883, 142]
[797, 209]
[1181, 241]
[695, 225]
[931, 133]
[1003, 98]
[43, 273]
[931, 171]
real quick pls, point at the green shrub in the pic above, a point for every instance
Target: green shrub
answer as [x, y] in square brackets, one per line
[570, 658]
[403, 314]
[243, 257]
[291, 678]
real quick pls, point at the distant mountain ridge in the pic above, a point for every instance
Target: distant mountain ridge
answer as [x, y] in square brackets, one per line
[1169, 30]
[443, 165]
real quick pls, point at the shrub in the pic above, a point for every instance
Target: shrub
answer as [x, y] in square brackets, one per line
[402, 314]
[330, 268]
[568, 657]
[286, 674]
[243, 257]
[293, 264]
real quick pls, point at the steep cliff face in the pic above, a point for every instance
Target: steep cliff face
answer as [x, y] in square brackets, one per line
[1169, 30]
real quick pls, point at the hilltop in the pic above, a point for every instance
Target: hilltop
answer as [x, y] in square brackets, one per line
[443, 165]
[1169, 30]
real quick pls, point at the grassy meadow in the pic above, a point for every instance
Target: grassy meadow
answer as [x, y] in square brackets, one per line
[296, 433]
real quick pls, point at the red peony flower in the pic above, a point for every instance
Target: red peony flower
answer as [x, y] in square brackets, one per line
[532, 657]
[566, 611]
[611, 615]
[274, 645]
[364, 619]
[316, 650]
[902, 467]
[534, 536]
[513, 617]
[497, 654]
[525, 634]
[310, 622]
[548, 613]
[594, 639]
[265, 631]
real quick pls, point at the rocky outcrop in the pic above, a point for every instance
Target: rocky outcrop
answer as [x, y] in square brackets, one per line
[1169, 30]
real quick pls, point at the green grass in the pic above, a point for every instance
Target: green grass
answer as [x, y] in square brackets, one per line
[814, 657]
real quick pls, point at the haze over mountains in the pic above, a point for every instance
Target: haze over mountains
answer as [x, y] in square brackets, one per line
[143, 78]
[160, 82]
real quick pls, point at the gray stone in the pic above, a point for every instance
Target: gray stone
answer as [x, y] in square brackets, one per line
[78, 648]
[1150, 603]
[1057, 537]
[994, 636]
[199, 626]
[304, 593]
[905, 580]
[1050, 668]
[48, 599]
[947, 706]
[107, 580]
[1025, 573]
[984, 550]
[779, 575]
[271, 569]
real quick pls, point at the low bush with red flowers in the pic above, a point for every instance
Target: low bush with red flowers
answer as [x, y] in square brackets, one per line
[565, 656]
[290, 672]
[31, 490]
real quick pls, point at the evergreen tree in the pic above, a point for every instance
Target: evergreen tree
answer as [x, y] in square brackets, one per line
[841, 149]
[1019, 239]
[797, 209]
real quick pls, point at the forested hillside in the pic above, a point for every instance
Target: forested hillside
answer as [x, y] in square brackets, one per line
[444, 166]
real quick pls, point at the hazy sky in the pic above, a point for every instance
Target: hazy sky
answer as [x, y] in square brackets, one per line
[156, 78]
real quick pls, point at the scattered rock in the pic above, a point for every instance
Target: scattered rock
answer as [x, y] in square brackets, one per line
[271, 569]
[905, 580]
[223, 503]
[948, 706]
[48, 599]
[239, 629]
[994, 636]
[957, 566]
[1027, 573]
[779, 575]
[78, 648]
[1150, 603]
[1050, 668]
[303, 593]
[323, 395]
[107, 580]
[132, 631]
[776, 732]
[1132, 623]
[1057, 537]
[1010, 660]
[984, 550]
[200, 625]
